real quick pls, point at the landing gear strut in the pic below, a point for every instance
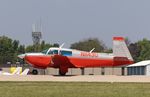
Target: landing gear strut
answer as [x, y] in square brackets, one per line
[62, 73]
[63, 70]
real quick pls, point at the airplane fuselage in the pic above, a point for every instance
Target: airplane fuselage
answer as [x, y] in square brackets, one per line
[74, 59]
[69, 58]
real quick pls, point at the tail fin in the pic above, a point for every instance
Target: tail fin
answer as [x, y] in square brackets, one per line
[120, 48]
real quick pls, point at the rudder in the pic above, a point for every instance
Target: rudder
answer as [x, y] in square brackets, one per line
[120, 48]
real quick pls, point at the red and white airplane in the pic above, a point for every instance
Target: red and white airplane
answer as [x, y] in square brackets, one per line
[69, 58]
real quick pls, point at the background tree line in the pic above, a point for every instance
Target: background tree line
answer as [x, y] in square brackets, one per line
[9, 49]
[139, 50]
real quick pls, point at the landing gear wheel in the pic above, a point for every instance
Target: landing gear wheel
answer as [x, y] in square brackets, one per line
[34, 72]
[62, 73]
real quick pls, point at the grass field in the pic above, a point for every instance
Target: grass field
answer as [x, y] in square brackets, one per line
[73, 89]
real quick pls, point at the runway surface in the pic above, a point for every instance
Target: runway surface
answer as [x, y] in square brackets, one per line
[76, 78]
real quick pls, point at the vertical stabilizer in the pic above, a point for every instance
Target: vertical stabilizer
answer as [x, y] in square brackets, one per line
[120, 48]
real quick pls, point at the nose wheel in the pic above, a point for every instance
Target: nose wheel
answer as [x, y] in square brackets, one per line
[34, 72]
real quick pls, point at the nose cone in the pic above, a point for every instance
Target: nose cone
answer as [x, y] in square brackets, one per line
[41, 61]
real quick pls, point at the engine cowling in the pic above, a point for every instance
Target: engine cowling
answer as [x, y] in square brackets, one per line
[40, 61]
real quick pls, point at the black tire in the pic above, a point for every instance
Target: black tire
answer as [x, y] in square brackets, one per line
[62, 73]
[34, 72]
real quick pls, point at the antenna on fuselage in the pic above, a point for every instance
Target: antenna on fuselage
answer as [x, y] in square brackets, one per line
[92, 50]
[61, 45]
[60, 48]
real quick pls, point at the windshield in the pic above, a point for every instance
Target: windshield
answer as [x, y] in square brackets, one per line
[53, 52]
[44, 51]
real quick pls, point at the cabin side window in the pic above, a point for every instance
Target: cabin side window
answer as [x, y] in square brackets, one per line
[66, 53]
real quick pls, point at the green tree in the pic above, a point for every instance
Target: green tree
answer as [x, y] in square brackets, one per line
[55, 45]
[40, 47]
[89, 44]
[144, 46]
[21, 49]
[140, 50]
[6, 49]
[30, 48]
[9, 50]
[134, 49]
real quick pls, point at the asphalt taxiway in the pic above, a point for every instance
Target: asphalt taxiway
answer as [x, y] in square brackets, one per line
[76, 78]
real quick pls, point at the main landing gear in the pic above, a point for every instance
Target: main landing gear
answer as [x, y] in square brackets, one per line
[63, 70]
[62, 73]
[35, 72]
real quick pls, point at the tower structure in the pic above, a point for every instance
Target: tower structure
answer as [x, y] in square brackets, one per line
[36, 34]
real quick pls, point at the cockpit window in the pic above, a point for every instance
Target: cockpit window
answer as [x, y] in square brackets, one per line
[51, 52]
[62, 52]
[45, 51]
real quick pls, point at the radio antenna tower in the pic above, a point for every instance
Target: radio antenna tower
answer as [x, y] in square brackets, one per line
[36, 33]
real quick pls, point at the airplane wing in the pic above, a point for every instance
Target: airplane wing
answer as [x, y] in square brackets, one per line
[62, 60]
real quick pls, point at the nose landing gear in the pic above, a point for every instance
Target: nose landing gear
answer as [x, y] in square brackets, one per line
[35, 72]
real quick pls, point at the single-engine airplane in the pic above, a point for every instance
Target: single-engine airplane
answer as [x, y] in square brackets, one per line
[69, 58]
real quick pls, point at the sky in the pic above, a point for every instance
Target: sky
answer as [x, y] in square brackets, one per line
[69, 21]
